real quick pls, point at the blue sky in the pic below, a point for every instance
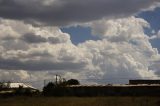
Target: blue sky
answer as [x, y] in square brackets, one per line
[153, 17]
[81, 34]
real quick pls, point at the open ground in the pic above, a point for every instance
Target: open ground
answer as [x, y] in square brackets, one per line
[80, 101]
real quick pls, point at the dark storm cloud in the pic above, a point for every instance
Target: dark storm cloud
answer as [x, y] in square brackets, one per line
[54, 40]
[32, 38]
[63, 12]
[7, 38]
[33, 65]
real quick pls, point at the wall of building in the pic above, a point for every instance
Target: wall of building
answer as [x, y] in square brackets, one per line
[144, 81]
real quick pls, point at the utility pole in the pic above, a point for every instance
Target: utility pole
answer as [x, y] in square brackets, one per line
[56, 79]
[59, 79]
[44, 83]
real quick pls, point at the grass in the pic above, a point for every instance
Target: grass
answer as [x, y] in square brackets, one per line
[80, 101]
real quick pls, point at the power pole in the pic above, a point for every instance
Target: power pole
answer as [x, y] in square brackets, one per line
[56, 79]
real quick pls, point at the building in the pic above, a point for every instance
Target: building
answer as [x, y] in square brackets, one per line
[139, 81]
[12, 87]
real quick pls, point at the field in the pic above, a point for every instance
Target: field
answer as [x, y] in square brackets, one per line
[80, 101]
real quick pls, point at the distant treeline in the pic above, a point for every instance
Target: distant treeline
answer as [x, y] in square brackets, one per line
[104, 91]
[51, 89]
[59, 89]
[72, 87]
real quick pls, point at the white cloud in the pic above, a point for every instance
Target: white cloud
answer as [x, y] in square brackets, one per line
[119, 29]
[37, 48]
[120, 61]
[155, 36]
[123, 52]
[15, 75]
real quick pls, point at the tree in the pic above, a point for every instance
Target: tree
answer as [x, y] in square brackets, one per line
[1, 85]
[49, 88]
[60, 89]
[73, 82]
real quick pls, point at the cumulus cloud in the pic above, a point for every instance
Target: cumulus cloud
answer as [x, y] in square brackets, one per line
[62, 12]
[155, 35]
[37, 49]
[124, 51]
[121, 60]
[31, 38]
[37, 53]
[14, 75]
[119, 29]
[33, 78]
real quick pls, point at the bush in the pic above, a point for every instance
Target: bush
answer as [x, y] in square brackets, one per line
[52, 89]
[49, 89]
[73, 82]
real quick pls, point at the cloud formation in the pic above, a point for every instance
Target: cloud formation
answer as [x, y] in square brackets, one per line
[37, 49]
[66, 12]
[119, 29]
[36, 53]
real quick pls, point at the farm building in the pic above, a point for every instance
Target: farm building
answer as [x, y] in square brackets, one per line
[140, 81]
[116, 90]
[105, 90]
[11, 87]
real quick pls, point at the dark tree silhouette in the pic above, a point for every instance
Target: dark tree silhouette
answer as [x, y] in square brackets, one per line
[60, 89]
[49, 88]
[73, 82]
[1, 85]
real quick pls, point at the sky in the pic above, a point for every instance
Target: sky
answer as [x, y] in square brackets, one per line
[94, 41]
[153, 18]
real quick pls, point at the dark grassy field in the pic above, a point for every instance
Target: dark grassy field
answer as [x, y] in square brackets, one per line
[80, 101]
